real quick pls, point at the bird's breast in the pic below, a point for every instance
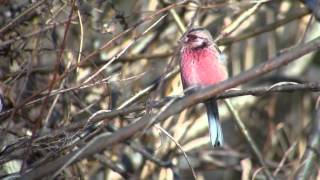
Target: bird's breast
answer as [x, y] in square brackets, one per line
[201, 68]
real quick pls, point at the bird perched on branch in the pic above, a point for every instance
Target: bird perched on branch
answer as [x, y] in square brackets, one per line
[201, 66]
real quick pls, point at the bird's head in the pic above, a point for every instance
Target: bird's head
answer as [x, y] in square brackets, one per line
[197, 38]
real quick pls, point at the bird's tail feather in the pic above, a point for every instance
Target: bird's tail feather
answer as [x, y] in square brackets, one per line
[215, 130]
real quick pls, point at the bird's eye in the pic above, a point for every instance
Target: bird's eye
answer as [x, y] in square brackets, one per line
[192, 37]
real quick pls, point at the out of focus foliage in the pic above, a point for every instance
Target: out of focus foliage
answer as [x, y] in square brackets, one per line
[50, 49]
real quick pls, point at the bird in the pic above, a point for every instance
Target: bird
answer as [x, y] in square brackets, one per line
[200, 66]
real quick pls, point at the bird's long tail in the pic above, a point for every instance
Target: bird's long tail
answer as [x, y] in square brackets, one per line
[214, 124]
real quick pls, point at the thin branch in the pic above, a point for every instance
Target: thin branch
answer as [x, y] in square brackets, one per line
[81, 39]
[249, 139]
[148, 89]
[21, 16]
[262, 91]
[285, 157]
[114, 167]
[34, 33]
[178, 20]
[124, 50]
[181, 149]
[261, 30]
[312, 153]
[235, 24]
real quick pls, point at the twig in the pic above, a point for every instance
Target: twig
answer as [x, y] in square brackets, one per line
[114, 167]
[124, 50]
[262, 91]
[78, 153]
[148, 89]
[177, 19]
[232, 27]
[81, 40]
[283, 160]
[260, 30]
[57, 64]
[21, 16]
[49, 69]
[34, 33]
[249, 139]
[181, 149]
[312, 153]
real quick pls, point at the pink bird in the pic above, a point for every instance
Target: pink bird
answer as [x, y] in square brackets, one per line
[201, 66]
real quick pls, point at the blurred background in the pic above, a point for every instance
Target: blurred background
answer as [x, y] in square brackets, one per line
[64, 63]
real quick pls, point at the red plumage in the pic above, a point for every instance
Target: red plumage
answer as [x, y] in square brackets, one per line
[201, 67]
